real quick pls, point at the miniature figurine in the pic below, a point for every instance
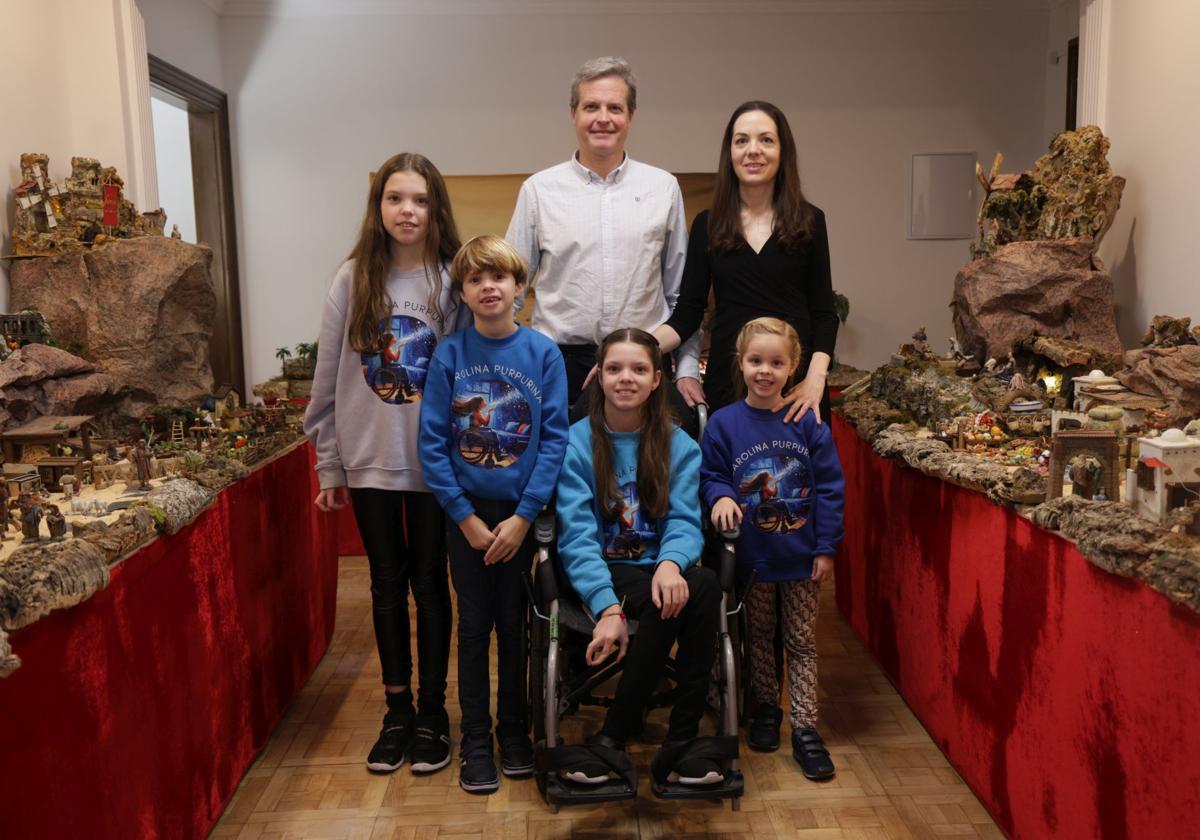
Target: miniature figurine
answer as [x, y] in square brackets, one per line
[67, 483]
[920, 341]
[31, 517]
[57, 523]
[4, 514]
[175, 234]
[140, 458]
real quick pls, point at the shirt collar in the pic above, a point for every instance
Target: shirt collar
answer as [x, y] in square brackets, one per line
[589, 176]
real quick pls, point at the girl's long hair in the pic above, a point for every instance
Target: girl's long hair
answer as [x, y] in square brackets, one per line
[654, 448]
[793, 213]
[369, 301]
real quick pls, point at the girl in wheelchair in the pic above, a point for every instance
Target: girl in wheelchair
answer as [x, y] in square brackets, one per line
[629, 526]
[783, 484]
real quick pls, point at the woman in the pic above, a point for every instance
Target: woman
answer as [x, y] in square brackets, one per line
[765, 251]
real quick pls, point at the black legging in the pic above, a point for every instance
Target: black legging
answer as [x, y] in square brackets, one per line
[404, 535]
[695, 629]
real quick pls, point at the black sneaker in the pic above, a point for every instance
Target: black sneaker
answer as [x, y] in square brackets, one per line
[809, 751]
[516, 753]
[688, 771]
[478, 772]
[764, 728]
[592, 771]
[395, 740]
[431, 742]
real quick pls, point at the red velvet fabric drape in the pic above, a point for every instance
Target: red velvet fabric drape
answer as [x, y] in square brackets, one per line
[1065, 696]
[136, 713]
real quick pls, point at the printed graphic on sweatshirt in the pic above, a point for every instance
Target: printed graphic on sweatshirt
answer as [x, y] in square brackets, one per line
[775, 493]
[397, 373]
[626, 536]
[492, 421]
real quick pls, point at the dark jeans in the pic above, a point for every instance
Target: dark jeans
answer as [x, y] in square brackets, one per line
[490, 597]
[404, 535]
[695, 629]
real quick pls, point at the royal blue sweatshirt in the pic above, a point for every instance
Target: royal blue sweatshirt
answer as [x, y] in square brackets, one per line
[786, 479]
[587, 543]
[494, 421]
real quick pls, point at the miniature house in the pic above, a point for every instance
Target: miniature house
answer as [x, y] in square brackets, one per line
[226, 401]
[1167, 475]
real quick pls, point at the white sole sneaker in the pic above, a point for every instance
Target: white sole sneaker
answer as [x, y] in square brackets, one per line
[710, 778]
[381, 767]
[426, 767]
[582, 778]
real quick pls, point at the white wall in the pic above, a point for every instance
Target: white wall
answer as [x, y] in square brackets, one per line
[319, 102]
[1153, 123]
[1064, 25]
[69, 101]
[185, 33]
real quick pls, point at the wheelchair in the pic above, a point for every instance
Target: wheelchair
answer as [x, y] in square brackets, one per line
[560, 625]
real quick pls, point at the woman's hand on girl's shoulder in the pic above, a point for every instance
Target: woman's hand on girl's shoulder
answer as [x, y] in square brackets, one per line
[334, 498]
[806, 396]
[726, 514]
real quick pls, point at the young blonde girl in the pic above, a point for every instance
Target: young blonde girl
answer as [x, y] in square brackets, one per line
[782, 482]
[388, 307]
[629, 541]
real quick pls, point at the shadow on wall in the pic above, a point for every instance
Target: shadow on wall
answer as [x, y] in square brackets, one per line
[1131, 321]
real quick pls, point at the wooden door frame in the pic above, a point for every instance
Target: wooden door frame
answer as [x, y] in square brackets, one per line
[216, 221]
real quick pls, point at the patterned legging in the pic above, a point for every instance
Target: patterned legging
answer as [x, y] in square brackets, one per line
[799, 640]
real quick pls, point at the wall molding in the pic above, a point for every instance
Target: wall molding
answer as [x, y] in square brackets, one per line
[141, 182]
[1095, 26]
[360, 8]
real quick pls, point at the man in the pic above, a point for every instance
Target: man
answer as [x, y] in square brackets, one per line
[605, 234]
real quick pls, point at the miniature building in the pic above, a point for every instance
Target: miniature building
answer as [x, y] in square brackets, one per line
[226, 401]
[52, 431]
[1100, 443]
[1167, 475]
[50, 219]
[23, 328]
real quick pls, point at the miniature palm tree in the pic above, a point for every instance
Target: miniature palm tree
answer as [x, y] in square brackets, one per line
[306, 351]
[283, 354]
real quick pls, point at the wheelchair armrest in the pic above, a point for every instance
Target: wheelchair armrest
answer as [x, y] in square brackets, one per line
[728, 570]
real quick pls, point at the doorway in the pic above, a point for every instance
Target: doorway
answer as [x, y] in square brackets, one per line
[195, 175]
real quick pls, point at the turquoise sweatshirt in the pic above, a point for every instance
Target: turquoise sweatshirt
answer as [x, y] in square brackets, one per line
[587, 543]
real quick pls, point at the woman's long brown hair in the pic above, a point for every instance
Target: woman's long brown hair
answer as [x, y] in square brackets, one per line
[793, 213]
[369, 301]
[654, 448]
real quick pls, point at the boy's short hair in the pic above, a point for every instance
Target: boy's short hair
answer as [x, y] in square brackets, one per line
[487, 253]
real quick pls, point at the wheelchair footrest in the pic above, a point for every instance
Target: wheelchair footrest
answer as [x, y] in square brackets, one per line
[733, 786]
[723, 749]
[550, 761]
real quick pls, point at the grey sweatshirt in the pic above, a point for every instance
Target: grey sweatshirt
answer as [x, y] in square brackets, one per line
[364, 418]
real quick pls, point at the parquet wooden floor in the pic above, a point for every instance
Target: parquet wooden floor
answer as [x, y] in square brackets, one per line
[311, 782]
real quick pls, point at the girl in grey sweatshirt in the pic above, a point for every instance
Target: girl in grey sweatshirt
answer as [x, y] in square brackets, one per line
[389, 306]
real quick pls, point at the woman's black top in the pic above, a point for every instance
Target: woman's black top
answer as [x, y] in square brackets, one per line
[793, 286]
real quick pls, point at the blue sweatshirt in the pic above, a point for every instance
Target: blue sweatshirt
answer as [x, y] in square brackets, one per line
[587, 543]
[786, 479]
[494, 421]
